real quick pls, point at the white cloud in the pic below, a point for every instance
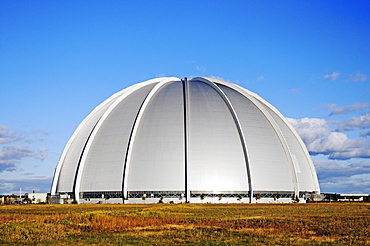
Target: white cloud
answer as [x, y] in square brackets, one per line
[11, 155]
[10, 136]
[364, 133]
[358, 77]
[310, 129]
[337, 146]
[14, 152]
[350, 108]
[361, 122]
[294, 90]
[328, 169]
[332, 77]
[201, 69]
[9, 167]
[11, 186]
[352, 153]
[327, 107]
[320, 139]
[343, 178]
[356, 184]
[7, 135]
[260, 78]
[330, 106]
[41, 153]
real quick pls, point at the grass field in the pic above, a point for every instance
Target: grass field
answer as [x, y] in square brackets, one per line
[180, 224]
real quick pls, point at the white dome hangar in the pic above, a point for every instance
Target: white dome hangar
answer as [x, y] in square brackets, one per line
[182, 140]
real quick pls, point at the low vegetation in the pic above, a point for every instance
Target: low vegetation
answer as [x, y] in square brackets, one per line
[180, 224]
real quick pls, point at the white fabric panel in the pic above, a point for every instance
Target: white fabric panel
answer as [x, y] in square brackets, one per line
[70, 161]
[103, 170]
[216, 161]
[216, 158]
[269, 165]
[307, 176]
[158, 149]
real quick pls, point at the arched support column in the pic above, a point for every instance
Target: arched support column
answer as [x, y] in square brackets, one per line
[127, 161]
[186, 136]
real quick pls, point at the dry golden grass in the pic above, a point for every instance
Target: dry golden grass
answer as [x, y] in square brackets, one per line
[180, 224]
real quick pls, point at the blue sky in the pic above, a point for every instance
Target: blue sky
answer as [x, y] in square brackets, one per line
[60, 59]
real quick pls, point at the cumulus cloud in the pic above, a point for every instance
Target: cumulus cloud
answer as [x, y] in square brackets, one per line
[320, 139]
[260, 78]
[328, 169]
[338, 146]
[352, 153]
[364, 133]
[358, 77]
[348, 178]
[310, 129]
[361, 122]
[332, 77]
[356, 184]
[330, 140]
[350, 108]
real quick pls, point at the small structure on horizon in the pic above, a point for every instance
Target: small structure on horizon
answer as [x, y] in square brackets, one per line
[37, 197]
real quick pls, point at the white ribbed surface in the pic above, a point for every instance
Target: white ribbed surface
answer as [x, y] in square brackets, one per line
[157, 159]
[108, 148]
[265, 150]
[216, 161]
[140, 131]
